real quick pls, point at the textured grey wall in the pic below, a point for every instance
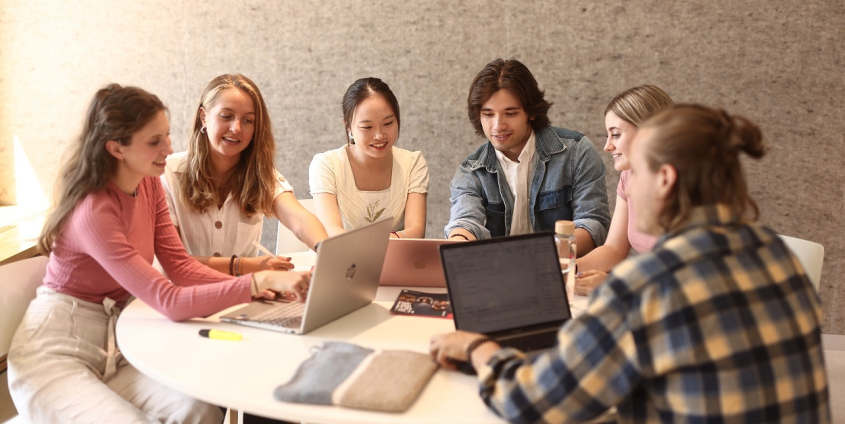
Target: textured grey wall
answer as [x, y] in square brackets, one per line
[779, 63]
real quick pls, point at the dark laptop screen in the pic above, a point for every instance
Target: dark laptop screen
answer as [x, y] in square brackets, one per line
[505, 283]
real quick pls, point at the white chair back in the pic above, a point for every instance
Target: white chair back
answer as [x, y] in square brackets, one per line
[286, 241]
[811, 256]
[17, 289]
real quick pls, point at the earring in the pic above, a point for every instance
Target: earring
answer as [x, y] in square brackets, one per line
[203, 130]
[351, 139]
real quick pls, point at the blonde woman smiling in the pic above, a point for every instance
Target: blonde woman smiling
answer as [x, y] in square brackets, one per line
[220, 190]
[622, 117]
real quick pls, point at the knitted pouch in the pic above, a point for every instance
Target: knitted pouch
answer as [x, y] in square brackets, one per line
[344, 374]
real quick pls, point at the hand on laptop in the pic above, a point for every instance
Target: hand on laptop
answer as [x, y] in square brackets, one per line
[289, 285]
[449, 349]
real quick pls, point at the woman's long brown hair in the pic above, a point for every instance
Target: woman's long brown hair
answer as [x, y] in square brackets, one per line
[115, 113]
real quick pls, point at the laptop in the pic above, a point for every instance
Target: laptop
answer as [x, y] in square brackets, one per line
[508, 288]
[345, 279]
[414, 263]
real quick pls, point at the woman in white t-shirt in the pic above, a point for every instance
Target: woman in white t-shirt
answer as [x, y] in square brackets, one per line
[219, 191]
[369, 178]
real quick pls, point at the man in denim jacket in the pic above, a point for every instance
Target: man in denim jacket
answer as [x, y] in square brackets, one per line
[529, 174]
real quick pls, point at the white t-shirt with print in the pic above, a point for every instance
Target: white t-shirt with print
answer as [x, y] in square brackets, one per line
[331, 172]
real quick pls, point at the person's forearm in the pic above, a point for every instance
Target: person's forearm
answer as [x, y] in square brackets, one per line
[220, 264]
[334, 230]
[414, 221]
[615, 248]
[602, 258]
[241, 265]
[482, 354]
[416, 231]
[311, 231]
[461, 234]
[585, 243]
[413, 231]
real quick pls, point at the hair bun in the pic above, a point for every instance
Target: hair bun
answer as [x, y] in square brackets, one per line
[742, 134]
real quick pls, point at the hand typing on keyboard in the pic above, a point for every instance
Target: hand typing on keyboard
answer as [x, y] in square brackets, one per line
[281, 285]
[269, 296]
[450, 350]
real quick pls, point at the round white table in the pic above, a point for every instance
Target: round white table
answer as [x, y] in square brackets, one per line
[243, 374]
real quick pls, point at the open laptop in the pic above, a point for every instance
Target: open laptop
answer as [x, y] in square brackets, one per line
[345, 279]
[414, 263]
[508, 288]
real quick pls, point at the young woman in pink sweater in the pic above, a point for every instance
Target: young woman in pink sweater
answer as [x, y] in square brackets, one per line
[110, 219]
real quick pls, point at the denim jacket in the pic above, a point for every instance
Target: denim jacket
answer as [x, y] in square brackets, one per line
[568, 183]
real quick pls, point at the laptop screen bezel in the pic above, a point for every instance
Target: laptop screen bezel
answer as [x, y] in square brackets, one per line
[444, 252]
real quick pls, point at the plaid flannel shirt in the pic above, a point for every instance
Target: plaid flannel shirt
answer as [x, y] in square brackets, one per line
[718, 324]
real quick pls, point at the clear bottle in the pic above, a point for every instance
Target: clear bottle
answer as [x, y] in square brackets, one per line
[566, 248]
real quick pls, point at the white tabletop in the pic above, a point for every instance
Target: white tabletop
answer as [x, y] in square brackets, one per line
[243, 375]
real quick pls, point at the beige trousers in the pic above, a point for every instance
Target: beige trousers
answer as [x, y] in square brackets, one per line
[64, 367]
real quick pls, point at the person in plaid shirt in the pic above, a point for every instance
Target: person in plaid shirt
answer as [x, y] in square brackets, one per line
[718, 324]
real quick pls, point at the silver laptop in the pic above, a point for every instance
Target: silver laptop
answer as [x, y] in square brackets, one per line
[508, 288]
[345, 279]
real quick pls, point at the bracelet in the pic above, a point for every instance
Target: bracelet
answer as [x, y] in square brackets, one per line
[238, 267]
[394, 233]
[317, 245]
[474, 344]
[403, 233]
[231, 263]
[459, 235]
[254, 286]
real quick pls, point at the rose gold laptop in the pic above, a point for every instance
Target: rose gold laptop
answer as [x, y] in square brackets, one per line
[414, 263]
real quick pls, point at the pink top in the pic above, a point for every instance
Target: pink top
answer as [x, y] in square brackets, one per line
[641, 242]
[106, 249]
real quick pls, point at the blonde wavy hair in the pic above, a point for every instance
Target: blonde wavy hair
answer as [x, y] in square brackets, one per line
[115, 113]
[253, 181]
[637, 104]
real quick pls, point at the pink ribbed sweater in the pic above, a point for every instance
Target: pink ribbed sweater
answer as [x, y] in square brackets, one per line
[106, 249]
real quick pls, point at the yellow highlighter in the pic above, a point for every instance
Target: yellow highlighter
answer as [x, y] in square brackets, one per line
[220, 335]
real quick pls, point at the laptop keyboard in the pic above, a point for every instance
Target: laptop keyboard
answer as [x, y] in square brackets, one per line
[531, 342]
[283, 316]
